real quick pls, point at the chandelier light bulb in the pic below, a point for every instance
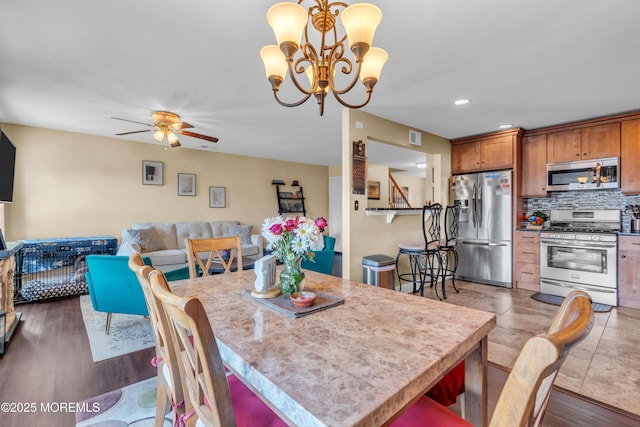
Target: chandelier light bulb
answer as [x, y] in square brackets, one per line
[288, 21]
[275, 64]
[372, 63]
[360, 22]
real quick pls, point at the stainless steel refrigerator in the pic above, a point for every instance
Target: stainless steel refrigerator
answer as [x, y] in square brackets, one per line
[485, 228]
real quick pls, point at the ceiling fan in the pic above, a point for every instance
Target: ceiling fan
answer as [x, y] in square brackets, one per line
[167, 125]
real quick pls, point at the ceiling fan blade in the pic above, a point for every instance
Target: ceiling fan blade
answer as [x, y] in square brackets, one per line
[197, 135]
[135, 131]
[185, 125]
[175, 144]
[132, 121]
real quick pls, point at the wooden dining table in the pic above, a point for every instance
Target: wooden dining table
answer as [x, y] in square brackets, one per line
[361, 363]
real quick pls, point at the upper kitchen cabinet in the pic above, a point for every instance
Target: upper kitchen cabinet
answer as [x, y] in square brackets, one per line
[534, 166]
[630, 157]
[484, 152]
[592, 142]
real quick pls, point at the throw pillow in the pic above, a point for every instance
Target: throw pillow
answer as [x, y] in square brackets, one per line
[147, 238]
[244, 231]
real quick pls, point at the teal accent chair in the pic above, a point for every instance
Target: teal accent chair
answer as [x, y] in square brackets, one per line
[114, 288]
[323, 260]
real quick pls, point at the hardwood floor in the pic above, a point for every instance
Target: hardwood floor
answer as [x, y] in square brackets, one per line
[49, 361]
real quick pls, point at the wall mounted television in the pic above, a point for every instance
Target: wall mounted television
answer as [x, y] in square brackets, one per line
[7, 168]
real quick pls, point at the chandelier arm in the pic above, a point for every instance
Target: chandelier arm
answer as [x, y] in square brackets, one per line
[346, 104]
[293, 72]
[353, 82]
[292, 104]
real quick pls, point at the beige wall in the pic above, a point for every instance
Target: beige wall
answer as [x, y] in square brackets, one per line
[369, 235]
[70, 184]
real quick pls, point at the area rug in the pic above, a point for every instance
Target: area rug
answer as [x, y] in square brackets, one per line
[134, 405]
[557, 300]
[128, 333]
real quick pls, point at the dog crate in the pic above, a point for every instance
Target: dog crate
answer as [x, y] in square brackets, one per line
[53, 268]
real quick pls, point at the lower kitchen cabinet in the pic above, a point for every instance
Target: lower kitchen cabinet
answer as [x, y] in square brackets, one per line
[527, 260]
[629, 271]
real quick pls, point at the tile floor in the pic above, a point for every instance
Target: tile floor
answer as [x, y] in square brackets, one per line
[604, 367]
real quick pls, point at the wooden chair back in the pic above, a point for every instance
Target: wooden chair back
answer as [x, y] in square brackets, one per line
[525, 395]
[212, 250]
[201, 366]
[169, 378]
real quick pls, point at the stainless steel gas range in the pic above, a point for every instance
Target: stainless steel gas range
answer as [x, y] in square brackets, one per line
[579, 251]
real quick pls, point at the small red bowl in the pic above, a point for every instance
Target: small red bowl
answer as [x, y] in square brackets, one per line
[303, 299]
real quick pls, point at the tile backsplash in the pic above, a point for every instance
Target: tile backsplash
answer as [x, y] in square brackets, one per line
[589, 199]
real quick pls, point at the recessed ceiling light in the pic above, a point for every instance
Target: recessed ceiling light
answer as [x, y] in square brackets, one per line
[505, 126]
[462, 101]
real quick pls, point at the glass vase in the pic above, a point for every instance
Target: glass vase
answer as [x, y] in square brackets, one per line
[291, 277]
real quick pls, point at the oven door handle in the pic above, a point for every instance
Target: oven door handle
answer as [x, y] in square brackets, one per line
[581, 288]
[566, 244]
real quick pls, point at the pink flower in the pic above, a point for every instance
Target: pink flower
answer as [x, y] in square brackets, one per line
[276, 229]
[292, 224]
[321, 223]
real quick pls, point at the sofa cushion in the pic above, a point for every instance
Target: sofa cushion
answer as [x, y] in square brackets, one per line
[244, 231]
[147, 238]
[250, 250]
[221, 228]
[167, 256]
[192, 230]
[166, 231]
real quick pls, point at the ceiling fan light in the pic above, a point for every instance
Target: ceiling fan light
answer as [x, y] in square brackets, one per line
[288, 21]
[372, 63]
[360, 21]
[275, 64]
[172, 138]
[158, 135]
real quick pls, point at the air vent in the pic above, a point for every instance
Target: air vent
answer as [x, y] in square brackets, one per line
[415, 138]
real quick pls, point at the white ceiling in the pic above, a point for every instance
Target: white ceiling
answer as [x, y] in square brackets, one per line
[73, 64]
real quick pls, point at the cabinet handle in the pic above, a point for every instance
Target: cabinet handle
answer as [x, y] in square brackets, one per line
[623, 256]
[527, 253]
[636, 244]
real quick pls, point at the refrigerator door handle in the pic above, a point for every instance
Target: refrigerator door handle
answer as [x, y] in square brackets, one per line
[473, 205]
[497, 244]
[479, 206]
[477, 243]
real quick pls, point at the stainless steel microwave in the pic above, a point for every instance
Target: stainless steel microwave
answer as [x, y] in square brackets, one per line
[600, 174]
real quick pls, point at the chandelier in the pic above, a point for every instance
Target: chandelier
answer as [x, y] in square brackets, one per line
[290, 22]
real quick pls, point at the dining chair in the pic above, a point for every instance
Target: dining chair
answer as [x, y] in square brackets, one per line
[213, 250]
[448, 248]
[169, 379]
[526, 392]
[213, 398]
[424, 255]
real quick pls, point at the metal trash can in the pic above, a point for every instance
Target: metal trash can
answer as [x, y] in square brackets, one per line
[379, 270]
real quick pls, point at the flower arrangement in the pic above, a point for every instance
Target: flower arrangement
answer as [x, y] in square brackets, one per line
[292, 238]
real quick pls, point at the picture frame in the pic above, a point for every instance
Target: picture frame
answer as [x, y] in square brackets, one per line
[152, 173]
[186, 184]
[373, 190]
[217, 197]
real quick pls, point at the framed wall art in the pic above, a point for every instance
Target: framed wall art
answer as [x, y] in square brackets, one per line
[152, 173]
[217, 197]
[373, 190]
[186, 184]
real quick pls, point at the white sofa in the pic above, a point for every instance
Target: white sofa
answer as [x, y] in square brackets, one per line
[164, 244]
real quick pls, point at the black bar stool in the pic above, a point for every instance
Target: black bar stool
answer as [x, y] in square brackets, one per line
[424, 255]
[448, 249]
